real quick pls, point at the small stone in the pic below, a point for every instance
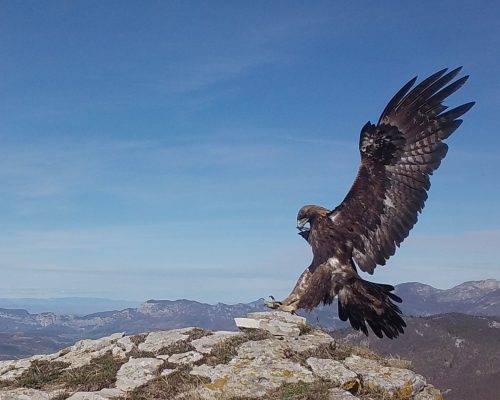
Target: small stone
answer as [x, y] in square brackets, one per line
[155, 341]
[334, 371]
[189, 357]
[166, 372]
[137, 372]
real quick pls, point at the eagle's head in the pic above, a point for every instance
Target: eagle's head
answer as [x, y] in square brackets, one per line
[307, 216]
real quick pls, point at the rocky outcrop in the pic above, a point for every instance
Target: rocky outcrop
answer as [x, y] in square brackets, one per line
[274, 356]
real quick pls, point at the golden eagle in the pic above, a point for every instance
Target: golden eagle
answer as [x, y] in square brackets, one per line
[398, 155]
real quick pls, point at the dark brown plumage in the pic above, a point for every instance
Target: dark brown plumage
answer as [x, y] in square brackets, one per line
[398, 155]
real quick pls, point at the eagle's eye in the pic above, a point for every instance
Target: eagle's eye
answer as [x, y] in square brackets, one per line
[303, 224]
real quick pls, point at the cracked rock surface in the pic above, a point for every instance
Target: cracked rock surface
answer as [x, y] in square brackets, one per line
[274, 356]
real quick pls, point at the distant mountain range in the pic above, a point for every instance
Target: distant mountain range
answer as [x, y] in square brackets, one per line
[474, 297]
[23, 333]
[67, 305]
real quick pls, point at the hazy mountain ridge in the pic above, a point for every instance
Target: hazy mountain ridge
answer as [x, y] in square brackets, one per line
[24, 334]
[67, 305]
[473, 297]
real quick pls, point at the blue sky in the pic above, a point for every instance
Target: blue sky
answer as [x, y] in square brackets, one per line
[162, 149]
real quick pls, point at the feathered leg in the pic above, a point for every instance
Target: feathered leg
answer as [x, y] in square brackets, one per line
[291, 303]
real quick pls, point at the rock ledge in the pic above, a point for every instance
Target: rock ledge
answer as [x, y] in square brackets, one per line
[274, 356]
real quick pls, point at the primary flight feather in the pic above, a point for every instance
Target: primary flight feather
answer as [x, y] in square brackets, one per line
[398, 155]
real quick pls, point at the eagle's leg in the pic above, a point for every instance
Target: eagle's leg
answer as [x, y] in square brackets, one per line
[291, 303]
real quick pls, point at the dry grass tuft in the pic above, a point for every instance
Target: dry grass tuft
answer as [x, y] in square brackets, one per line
[139, 338]
[332, 350]
[305, 329]
[198, 333]
[99, 374]
[40, 374]
[301, 391]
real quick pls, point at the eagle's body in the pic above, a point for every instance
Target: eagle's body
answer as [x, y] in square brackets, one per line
[398, 155]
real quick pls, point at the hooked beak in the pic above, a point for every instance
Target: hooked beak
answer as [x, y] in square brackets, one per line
[301, 224]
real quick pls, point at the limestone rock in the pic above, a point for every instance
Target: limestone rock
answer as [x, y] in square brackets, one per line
[206, 343]
[13, 369]
[429, 393]
[253, 367]
[389, 380]
[155, 341]
[340, 394]
[277, 323]
[84, 351]
[189, 357]
[334, 371]
[123, 346]
[278, 316]
[137, 372]
[166, 372]
[260, 366]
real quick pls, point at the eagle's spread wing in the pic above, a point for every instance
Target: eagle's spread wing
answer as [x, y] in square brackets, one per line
[397, 157]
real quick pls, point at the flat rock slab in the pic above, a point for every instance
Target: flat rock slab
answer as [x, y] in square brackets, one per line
[276, 328]
[207, 343]
[334, 371]
[278, 316]
[277, 323]
[84, 351]
[137, 372]
[187, 358]
[155, 341]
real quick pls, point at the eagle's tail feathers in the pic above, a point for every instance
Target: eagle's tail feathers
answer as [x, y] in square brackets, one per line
[364, 302]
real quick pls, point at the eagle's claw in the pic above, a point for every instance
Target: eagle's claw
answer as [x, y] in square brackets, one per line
[279, 305]
[272, 303]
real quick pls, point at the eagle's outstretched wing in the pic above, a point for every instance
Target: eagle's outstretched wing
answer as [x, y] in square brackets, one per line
[397, 157]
